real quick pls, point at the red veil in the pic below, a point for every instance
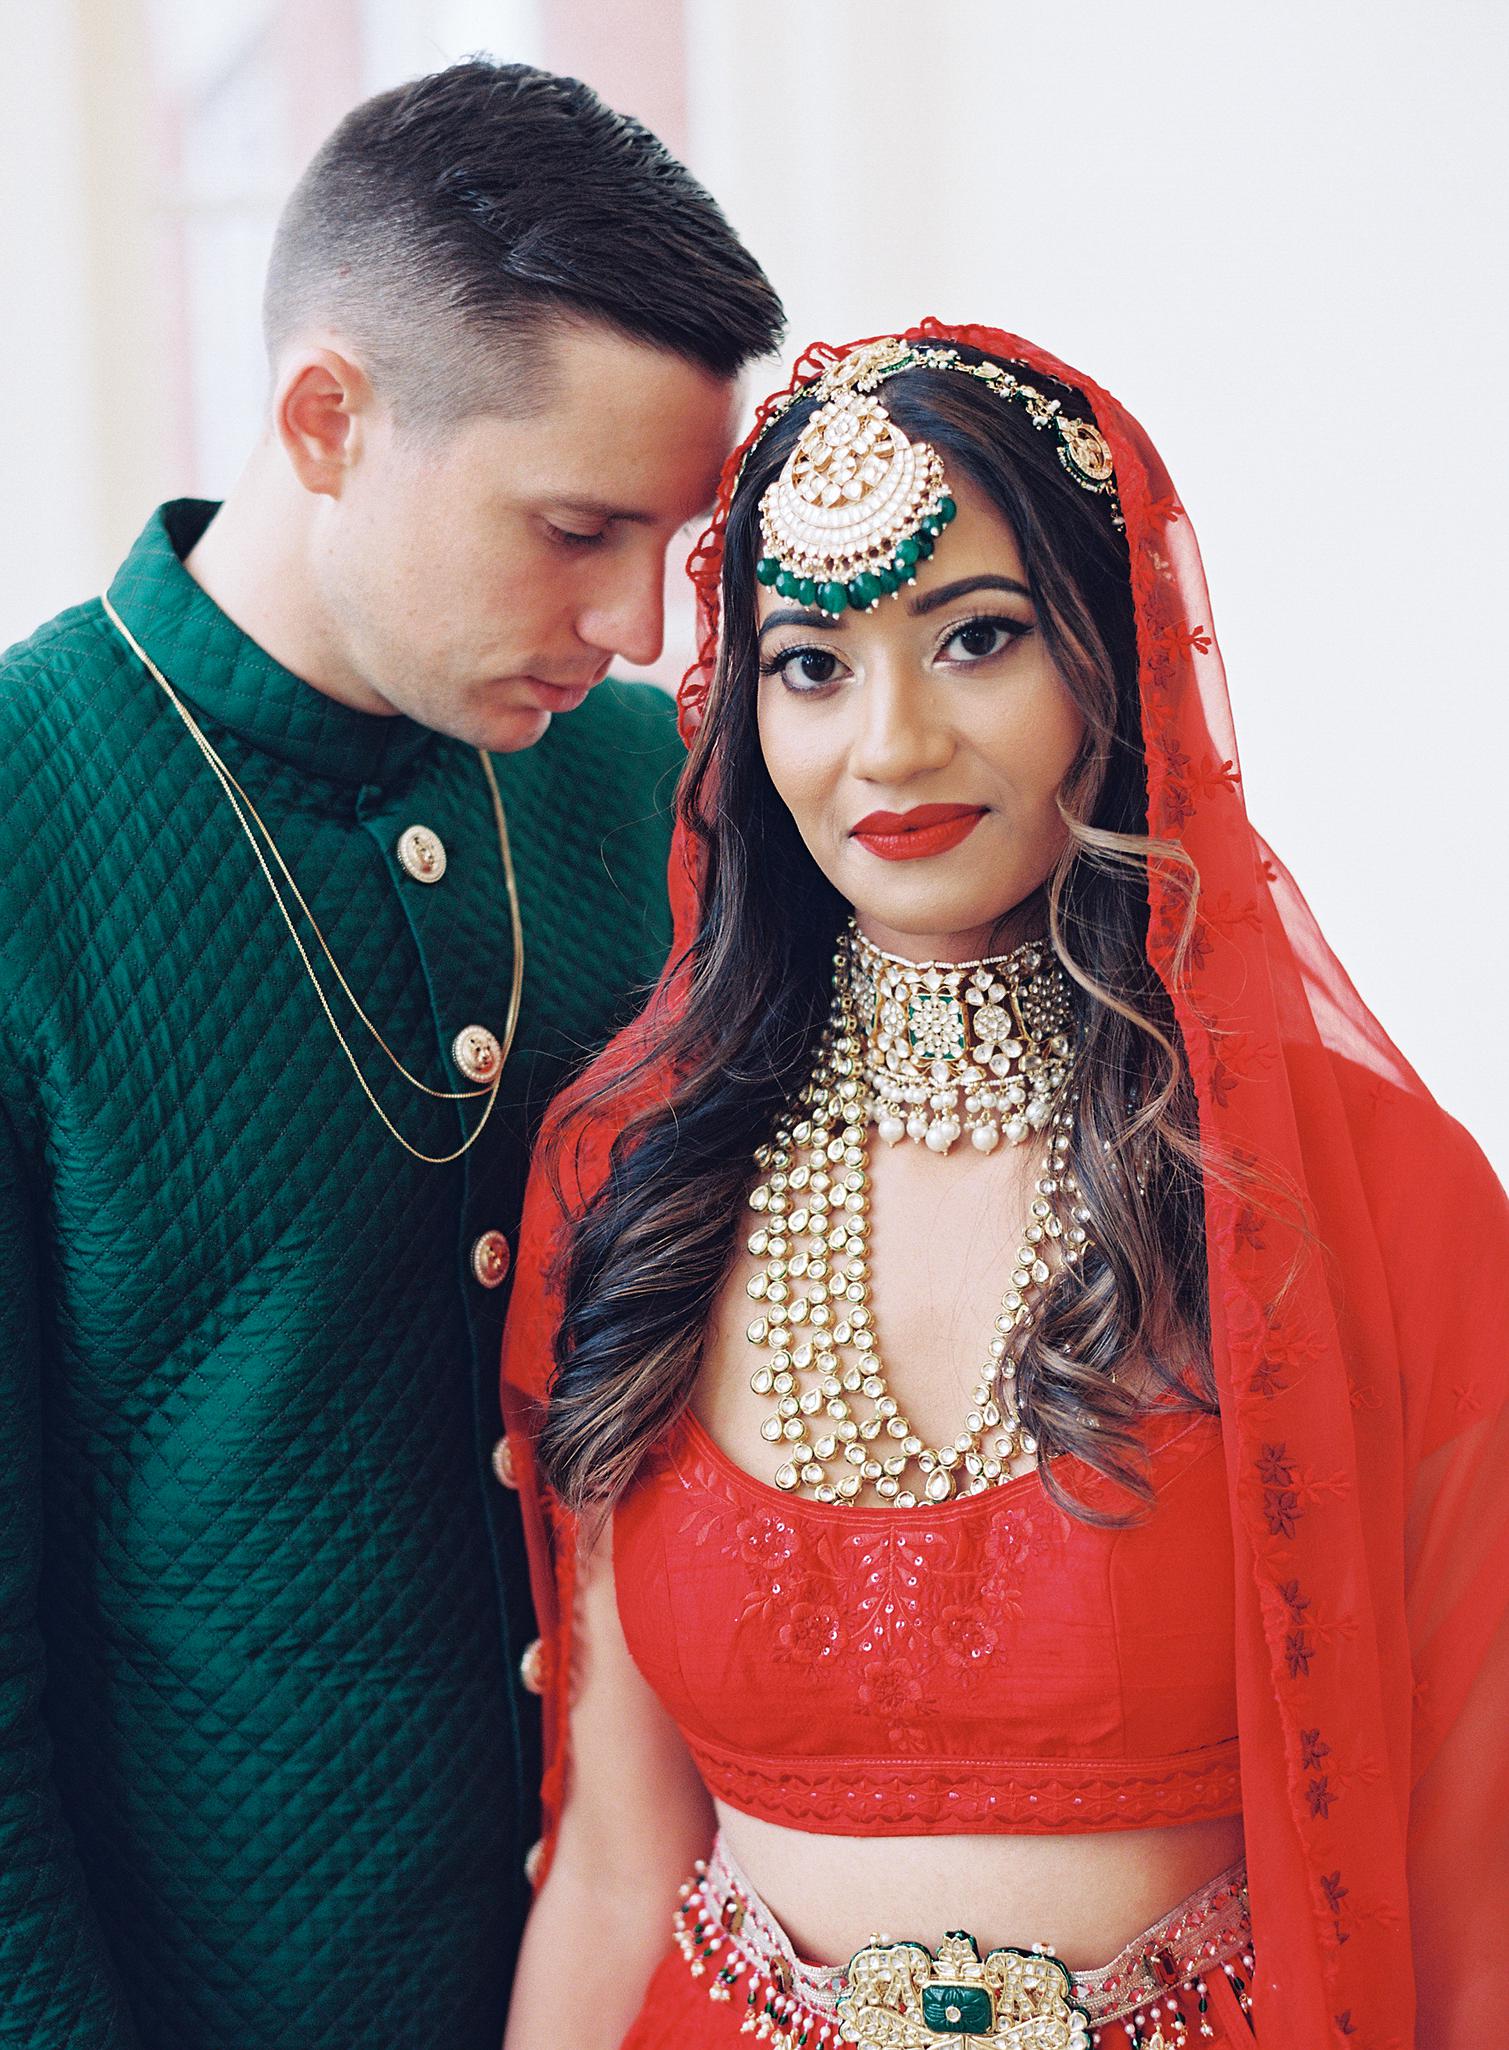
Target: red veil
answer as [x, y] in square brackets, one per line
[1360, 1354]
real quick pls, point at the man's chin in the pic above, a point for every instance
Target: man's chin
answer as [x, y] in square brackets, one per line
[509, 731]
[515, 711]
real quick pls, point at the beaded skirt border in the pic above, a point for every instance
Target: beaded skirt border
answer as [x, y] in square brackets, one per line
[727, 1934]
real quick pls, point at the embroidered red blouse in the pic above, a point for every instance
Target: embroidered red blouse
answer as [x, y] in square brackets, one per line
[990, 1664]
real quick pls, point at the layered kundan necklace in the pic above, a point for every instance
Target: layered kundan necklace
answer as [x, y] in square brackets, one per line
[922, 1051]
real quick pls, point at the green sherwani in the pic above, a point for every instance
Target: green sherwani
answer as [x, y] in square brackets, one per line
[267, 1766]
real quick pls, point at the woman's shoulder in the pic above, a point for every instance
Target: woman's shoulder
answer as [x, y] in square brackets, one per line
[1406, 1146]
[571, 1162]
[1364, 1115]
[1405, 1173]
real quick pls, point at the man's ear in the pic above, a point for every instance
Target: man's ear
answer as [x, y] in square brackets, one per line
[321, 411]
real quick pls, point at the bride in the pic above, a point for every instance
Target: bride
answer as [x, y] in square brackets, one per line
[1007, 1369]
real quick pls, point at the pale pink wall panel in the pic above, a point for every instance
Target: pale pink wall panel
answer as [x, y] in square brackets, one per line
[634, 54]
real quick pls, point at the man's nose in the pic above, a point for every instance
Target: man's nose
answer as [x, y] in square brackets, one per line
[629, 620]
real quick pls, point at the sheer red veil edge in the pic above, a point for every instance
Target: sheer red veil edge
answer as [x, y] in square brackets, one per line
[1360, 1362]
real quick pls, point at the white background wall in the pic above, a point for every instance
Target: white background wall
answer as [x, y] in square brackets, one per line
[1276, 231]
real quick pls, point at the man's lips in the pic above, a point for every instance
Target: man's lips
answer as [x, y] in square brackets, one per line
[559, 697]
[909, 835]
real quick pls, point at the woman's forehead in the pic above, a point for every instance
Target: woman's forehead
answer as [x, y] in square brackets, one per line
[979, 542]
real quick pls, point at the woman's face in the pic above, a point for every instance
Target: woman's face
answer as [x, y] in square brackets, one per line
[920, 747]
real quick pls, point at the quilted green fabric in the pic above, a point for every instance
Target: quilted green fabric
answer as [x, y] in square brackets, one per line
[266, 1768]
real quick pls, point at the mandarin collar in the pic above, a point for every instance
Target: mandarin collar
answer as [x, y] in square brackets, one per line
[223, 673]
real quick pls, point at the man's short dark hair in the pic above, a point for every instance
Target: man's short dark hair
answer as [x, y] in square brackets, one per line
[447, 227]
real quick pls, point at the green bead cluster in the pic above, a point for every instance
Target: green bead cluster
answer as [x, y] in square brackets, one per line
[866, 590]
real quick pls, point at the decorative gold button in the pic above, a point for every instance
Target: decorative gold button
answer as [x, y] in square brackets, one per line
[533, 1860]
[503, 1465]
[421, 854]
[477, 1053]
[532, 1667]
[491, 1259]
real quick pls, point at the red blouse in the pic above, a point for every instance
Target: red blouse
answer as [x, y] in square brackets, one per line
[990, 1664]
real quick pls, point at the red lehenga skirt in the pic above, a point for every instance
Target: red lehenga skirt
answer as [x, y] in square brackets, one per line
[731, 1976]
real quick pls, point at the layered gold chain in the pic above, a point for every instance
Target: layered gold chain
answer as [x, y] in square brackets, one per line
[247, 815]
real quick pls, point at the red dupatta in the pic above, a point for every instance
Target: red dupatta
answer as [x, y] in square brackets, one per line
[1364, 1417]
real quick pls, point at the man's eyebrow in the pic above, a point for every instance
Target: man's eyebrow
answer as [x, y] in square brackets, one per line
[588, 509]
[800, 617]
[947, 593]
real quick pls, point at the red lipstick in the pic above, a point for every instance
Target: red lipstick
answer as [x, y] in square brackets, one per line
[908, 835]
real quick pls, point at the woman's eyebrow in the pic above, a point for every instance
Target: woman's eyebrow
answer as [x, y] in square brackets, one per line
[947, 593]
[918, 607]
[802, 617]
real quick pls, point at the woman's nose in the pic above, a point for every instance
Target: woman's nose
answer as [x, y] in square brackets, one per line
[901, 733]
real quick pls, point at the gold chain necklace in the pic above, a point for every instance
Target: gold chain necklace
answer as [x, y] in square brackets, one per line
[817, 1323]
[245, 810]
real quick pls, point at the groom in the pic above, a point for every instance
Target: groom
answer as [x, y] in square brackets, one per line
[267, 1742]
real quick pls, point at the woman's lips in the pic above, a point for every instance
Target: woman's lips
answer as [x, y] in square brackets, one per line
[908, 835]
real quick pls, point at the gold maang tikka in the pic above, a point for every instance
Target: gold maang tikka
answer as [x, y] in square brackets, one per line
[858, 504]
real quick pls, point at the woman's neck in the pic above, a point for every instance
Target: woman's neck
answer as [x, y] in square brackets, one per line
[1025, 921]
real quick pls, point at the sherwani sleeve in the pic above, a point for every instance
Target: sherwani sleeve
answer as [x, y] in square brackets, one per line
[58, 1988]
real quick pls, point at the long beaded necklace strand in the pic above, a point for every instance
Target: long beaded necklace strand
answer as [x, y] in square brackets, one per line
[842, 1434]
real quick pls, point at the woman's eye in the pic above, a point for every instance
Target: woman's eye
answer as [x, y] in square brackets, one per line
[569, 538]
[978, 639]
[805, 668]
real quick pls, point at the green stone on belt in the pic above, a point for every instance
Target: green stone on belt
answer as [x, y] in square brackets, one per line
[958, 2010]
[834, 598]
[767, 569]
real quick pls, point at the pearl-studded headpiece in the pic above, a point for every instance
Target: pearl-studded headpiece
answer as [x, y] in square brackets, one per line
[858, 504]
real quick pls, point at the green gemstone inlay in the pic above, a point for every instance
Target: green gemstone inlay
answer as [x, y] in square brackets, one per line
[935, 1026]
[958, 2010]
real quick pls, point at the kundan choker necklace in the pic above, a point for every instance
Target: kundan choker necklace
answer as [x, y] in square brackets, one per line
[948, 1047]
[842, 1434]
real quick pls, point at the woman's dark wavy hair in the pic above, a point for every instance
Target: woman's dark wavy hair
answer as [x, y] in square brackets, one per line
[650, 1253]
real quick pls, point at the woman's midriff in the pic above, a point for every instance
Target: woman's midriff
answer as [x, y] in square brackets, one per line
[1085, 1895]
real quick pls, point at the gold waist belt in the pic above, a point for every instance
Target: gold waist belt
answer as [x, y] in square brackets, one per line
[903, 1996]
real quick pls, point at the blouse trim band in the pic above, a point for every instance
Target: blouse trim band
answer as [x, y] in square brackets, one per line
[940, 1796]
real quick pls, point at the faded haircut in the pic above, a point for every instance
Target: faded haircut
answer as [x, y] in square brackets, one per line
[449, 227]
